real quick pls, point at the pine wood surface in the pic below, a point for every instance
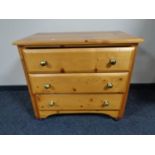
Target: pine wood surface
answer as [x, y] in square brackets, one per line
[78, 60]
[79, 83]
[68, 73]
[78, 38]
[79, 101]
[45, 113]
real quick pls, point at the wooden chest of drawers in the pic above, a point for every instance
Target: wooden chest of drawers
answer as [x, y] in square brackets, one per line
[87, 72]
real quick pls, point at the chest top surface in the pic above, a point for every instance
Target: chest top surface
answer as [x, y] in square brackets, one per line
[78, 39]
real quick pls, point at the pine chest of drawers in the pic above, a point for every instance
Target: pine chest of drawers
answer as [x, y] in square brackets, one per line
[82, 72]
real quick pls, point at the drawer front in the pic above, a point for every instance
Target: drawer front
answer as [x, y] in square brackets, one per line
[73, 60]
[79, 102]
[79, 82]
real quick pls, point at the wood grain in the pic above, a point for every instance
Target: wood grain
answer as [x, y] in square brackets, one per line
[77, 72]
[78, 38]
[34, 105]
[46, 113]
[122, 109]
[79, 83]
[79, 101]
[78, 60]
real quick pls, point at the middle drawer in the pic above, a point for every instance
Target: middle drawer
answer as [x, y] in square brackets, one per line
[79, 83]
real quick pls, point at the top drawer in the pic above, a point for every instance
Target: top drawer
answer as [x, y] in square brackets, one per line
[74, 60]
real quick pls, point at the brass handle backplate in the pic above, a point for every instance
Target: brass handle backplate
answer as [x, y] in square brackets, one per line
[43, 63]
[109, 85]
[112, 61]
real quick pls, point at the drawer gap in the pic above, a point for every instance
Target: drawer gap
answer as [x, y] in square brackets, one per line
[75, 46]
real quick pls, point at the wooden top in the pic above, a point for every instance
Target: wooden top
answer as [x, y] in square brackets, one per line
[78, 38]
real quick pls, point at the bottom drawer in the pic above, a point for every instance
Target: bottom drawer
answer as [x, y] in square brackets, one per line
[79, 101]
